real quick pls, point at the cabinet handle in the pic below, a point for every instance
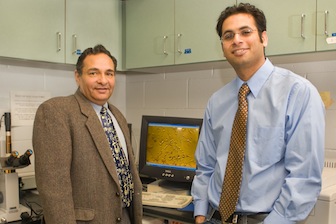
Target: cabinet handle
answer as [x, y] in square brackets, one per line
[326, 22]
[302, 26]
[59, 41]
[179, 36]
[74, 44]
[164, 45]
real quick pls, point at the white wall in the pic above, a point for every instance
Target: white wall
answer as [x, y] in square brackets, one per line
[59, 82]
[182, 94]
[186, 93]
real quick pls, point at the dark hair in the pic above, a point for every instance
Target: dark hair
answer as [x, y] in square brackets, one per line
[98, 49]
[246, 8]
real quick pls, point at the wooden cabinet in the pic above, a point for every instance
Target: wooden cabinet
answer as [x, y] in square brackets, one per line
[167, 32]
[93, 22]
[326, 24]
[183, 31]
[157, 32]
[58, 31]
[302, 26]
[149, 33]
[290, 25]
[196, 39]
[31, 29]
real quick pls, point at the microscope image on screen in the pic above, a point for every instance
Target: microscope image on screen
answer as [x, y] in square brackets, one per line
[167, 148]
[172, 145]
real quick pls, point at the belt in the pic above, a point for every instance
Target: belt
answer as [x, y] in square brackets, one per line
[235, 217]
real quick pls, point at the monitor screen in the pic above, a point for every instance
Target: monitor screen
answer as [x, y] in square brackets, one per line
[167, 147]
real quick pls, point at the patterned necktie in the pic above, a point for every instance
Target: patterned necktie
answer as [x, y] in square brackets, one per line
[234, 167]
[125, 177]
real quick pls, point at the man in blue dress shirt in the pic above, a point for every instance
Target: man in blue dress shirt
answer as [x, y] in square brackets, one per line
[284, 152]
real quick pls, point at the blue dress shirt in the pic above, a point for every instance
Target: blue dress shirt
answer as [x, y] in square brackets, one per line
[284, 151]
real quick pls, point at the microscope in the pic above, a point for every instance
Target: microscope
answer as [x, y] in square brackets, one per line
[10, 207]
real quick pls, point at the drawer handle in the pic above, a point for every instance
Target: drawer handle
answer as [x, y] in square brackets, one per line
[302, 26]
[164, 45]
[74, 44]
[59, 41]
[179, 36]
[326, 22]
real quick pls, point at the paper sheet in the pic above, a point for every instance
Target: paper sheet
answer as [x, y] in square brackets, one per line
[326, 98]
[24, 105]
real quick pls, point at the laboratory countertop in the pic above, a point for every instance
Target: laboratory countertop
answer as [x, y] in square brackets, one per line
[30, 199]
[169, 213]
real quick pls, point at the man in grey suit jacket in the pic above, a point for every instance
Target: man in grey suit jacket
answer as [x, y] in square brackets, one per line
[76, 175]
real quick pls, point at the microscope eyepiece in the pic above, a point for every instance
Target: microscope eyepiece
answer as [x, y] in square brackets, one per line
[24, 159]
[11, 158]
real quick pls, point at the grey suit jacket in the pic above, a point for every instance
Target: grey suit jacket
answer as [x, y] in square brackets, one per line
[75, 174]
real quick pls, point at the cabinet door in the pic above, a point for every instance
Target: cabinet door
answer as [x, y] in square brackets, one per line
[196, 39]
[326, 24]
[290, 25]
[149, 33]
[93, 22]
[32, 29]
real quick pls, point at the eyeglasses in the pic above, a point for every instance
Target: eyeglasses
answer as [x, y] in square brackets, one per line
[228, 36]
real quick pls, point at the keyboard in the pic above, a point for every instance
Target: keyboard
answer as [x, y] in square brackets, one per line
[165, 200]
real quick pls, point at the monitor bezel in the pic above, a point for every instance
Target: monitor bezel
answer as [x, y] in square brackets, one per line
[171, 174]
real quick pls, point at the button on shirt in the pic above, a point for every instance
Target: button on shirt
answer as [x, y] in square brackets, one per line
[284, 151]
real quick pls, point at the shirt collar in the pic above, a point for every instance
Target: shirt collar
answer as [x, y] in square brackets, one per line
[259, 78]
[98, 108]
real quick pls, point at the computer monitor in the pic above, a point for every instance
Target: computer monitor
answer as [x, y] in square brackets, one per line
[167, 147]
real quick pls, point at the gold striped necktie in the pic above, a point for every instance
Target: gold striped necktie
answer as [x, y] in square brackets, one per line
[234, 166]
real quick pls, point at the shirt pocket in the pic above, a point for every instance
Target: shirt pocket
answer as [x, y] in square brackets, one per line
[268, 147]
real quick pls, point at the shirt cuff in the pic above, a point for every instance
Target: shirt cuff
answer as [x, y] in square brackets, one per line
[275, 218]
[200, 209]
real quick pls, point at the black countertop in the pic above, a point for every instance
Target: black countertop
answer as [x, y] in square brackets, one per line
[30, 199]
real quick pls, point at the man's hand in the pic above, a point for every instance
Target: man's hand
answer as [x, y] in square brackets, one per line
[199, 219]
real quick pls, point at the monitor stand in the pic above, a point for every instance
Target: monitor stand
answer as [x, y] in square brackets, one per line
[169, 187]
